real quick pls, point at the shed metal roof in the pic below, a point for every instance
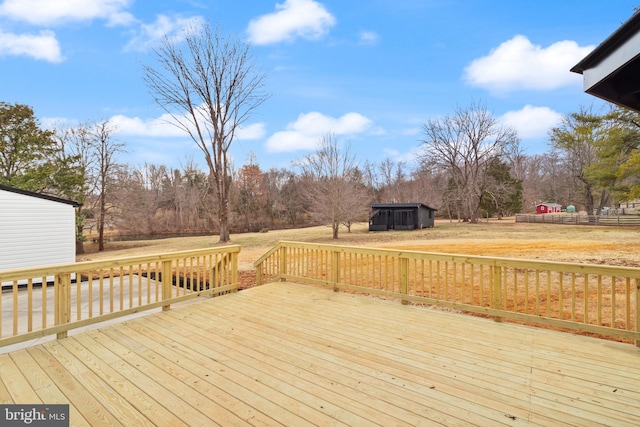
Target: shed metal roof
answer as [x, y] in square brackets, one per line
[400, 205]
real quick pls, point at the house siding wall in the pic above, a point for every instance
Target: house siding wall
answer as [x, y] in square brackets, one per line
[34, 231]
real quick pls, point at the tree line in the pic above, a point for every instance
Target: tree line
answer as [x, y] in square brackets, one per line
[470, 165]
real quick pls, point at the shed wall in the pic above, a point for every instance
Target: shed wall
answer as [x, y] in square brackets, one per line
[426, 218]
[400, 217]
[35, 232]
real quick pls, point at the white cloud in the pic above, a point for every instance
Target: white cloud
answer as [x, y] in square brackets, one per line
[161, 127]
[293, 18]
[48, 12]
[407, 157]
[150, 35]
[532, 122]
[53, 123]
[157, 127]
[519, 64]
[369, 37]
[44, 46]
[120, 19]
[306, 131]
[252, 131]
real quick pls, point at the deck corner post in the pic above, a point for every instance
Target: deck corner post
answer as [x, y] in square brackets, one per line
[496, 290]
[62, 295]
[259, 275]
[167, 283]
[404, 278]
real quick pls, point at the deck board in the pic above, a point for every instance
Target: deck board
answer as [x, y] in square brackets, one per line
[287, 354]
[400, 372]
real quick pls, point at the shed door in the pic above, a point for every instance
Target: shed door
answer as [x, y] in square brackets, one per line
[404, 218]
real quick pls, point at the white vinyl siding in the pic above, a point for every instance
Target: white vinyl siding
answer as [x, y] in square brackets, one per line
[35, 231]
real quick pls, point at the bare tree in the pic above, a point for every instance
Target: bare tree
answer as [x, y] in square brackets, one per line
[292, 197]
[190, 189]
[251, 194]
[274, 181]
[425, 186]
[105, 149]
[209, 86]
[464, 146]
[330, 190]
[357, 198]
[393, 181]
[94, 146]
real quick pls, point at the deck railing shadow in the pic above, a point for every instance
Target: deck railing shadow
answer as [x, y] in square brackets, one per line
[36, 302]
[598, 299]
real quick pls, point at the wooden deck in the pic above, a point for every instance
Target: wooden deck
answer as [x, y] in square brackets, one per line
[286, 354]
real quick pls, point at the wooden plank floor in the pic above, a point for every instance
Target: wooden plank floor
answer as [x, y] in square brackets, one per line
[286, 354]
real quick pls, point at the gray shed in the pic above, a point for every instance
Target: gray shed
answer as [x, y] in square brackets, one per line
[400, 216]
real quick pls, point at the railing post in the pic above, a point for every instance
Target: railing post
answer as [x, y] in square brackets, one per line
[259, 274]
[335, 269]
[496, 290]
[637, 340]
[234, 270]
[62, 304]
[404, 278]
[283, 263]
[167, 283]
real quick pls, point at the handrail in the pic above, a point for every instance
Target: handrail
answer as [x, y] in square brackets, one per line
[592, 298]
[51, 299]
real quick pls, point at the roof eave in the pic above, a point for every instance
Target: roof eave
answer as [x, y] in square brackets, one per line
[40, 196]
[604, 49]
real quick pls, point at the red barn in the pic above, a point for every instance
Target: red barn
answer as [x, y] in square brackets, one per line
[544, 208]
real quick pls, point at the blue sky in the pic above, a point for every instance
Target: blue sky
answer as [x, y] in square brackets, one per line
[372, 72]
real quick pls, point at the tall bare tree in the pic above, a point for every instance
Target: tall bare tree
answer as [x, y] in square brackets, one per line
[331, 188]
[96, 149]
[209, 85]
[464, 145]
[106, 149]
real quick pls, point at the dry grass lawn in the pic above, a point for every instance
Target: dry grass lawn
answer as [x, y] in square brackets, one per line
[504, 238]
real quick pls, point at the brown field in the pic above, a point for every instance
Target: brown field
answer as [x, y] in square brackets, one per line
[504, 238]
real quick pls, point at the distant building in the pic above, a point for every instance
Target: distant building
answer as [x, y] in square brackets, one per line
[629, 207]
[545, 208]
[400, 216]
[35, 229]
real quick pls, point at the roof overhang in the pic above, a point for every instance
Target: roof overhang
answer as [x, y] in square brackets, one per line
[399, 206]
[39, 195]
[612, 70]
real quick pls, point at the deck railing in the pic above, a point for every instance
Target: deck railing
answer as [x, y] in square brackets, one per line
[592, 298]
[40, 301]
